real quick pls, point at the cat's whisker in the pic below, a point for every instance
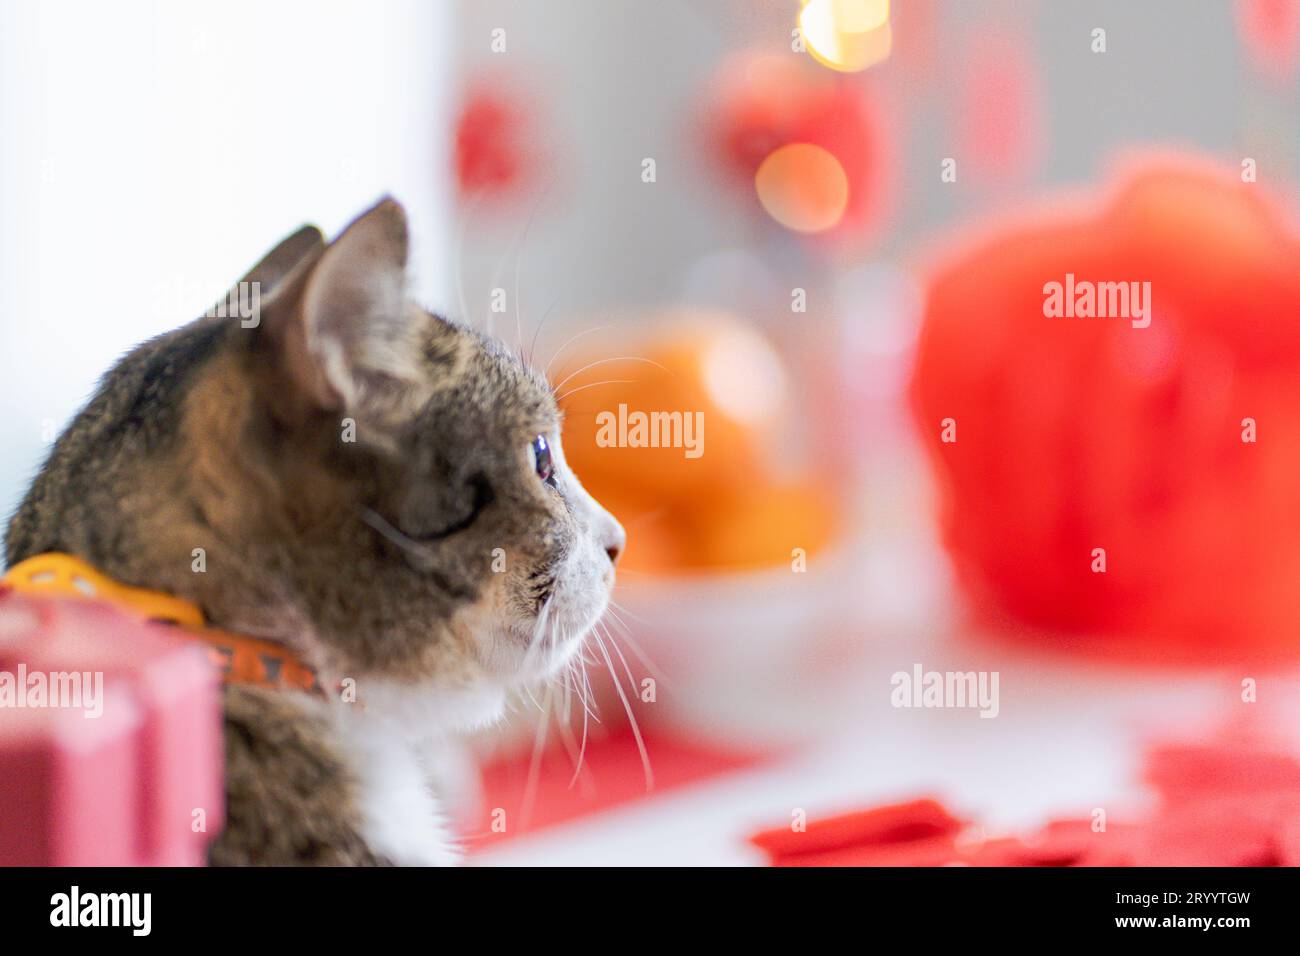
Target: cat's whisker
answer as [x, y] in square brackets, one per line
[528, 692]
[538, 639]
[516, 242]
[588, 712]
[459, 259]
[535, 764]
[617, 611]
[635, 647]
[610, 381]
[519, 261]
[639, 518]
[627, 707]
[576, 751]
[605, 361]
[532, 346]
[569, 741]
[612, 611]
[632, 681]
[636, 617]
[566, 702]
[582, 750]
[585, 693]
[595, 328]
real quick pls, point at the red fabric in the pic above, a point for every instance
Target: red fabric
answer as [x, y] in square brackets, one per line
[902, 823]
[612, 775]
[1221, 805]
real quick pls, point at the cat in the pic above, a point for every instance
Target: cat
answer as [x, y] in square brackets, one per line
[382, 490]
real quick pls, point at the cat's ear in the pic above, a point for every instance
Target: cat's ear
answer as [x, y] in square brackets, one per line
[279, 262]
[271, 270]
[356, 342]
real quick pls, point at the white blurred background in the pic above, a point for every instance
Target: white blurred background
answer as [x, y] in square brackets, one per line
[150, 152]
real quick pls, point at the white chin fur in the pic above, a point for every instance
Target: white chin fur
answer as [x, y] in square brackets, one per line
[389, 731]
[386, 733]
[431, 710]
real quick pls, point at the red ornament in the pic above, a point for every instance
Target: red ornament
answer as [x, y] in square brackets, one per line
[1269, 30]
[998, 119]
[494, 141]
[763, 103]
[1132, 486]
[1206, 817]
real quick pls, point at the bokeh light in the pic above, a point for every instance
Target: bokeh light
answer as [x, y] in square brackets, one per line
[803, 187]
[744, 377]
[847, 35]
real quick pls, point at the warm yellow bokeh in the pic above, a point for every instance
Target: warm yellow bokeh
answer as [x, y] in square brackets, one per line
[846, 35]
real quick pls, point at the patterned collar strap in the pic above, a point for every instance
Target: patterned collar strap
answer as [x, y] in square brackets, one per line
[241, 659]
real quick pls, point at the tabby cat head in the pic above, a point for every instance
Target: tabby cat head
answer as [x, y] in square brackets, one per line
[378, 487]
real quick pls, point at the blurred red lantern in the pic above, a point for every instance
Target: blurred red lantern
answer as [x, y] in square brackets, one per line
[763, 103]
[997, 108]
[1270, 29]
[495, 144]
[1174, 448]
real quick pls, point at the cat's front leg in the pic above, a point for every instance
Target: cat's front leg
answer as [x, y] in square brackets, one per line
[452, 773]
[400, 815]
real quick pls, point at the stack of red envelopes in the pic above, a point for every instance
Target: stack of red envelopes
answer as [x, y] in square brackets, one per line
[1220, 805]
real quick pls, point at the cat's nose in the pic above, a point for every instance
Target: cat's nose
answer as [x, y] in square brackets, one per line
[615, 539]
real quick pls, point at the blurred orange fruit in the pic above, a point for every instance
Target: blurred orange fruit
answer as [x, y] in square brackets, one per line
[765, 526]
[683, 412]
[674, 434]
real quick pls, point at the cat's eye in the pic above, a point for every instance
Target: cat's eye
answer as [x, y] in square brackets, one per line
[543, 464]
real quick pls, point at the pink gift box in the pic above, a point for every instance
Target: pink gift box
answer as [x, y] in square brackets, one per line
[119, 762]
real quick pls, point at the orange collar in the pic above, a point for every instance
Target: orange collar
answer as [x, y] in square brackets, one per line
[242, 659]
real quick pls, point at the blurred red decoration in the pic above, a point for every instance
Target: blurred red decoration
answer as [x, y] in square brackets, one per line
[764, 102]
[1270, 29]
[1074, 434]
[540, 796]
[494, 140]
[905, 828]
[998, 122]
[1221, 804]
